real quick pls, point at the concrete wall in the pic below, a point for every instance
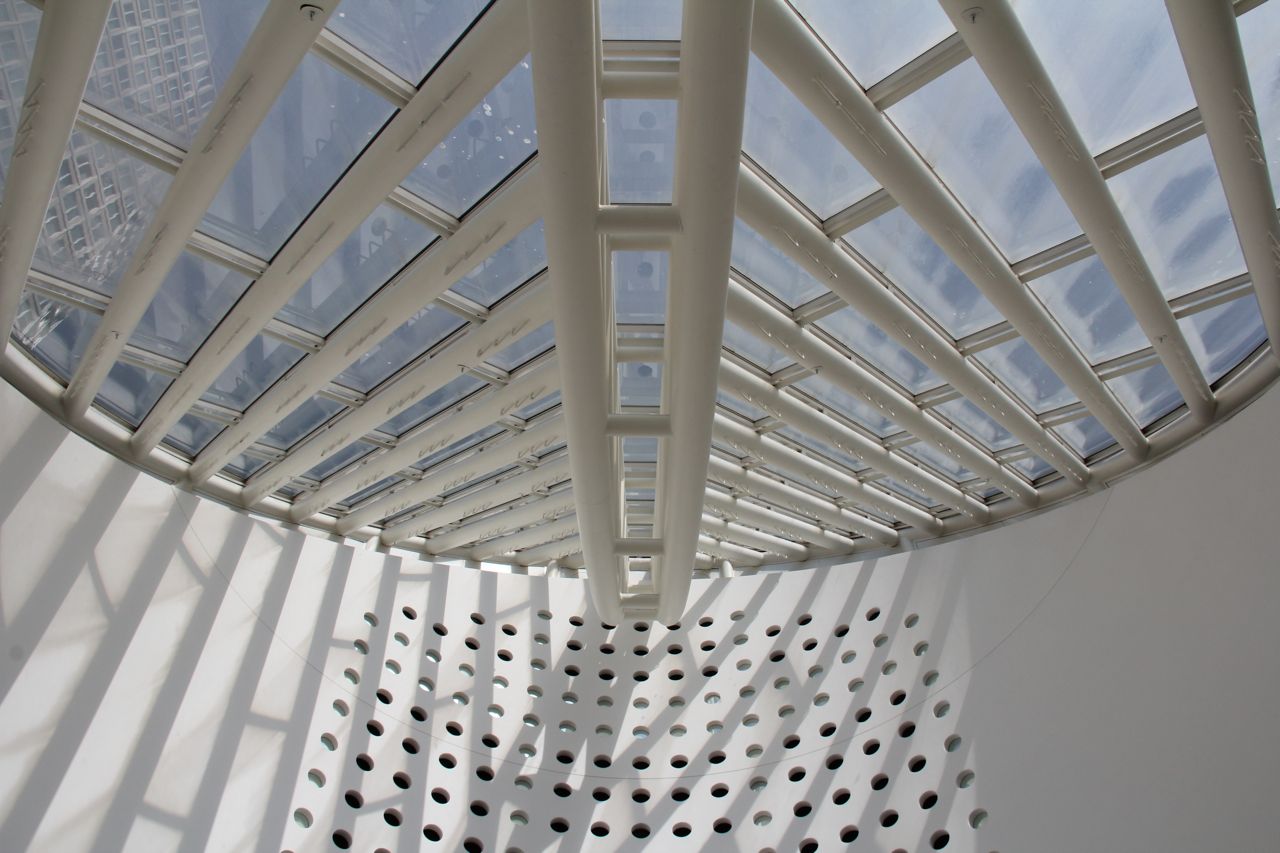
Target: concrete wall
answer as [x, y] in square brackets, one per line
[170, 669]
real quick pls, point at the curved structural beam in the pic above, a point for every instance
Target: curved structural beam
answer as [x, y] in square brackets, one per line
[500, 524]
[1005, 55]
[64, 53]
[770, 521]
[565, 47]
[283, 36]
[730, 531]
[791, 50]
[1210, 43]
[495, 44]
[530, 537]
[714, 50]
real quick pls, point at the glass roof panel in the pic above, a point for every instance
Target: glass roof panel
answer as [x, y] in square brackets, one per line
[195, 296]
[639, 384]
[768, 266]
[836, 398]
[1031, 467]
[632, 20]
[640, 286]
[639, 448]
[506, 269]
[244, 466]
[1175, 206]
[1149, 394]
[741, 407]
[484, 148]
[874, 38]
[300, 423]
[56, 333]
[363, 494]
[192, 433]
[793, 146]
[415, 336]
[432, 404]
[129, 391]
[1086, 436]
[340, 459]
[1259, 34]
[899, 248]
[923, 452]
[535, 343]
[407, 36]
[365, 261]
[253, 371]
[458, 446]
[869, 341]
[102, 204]
[1083, 298]
[755, 349]
[161, 65]
[1222, 336]
[903, 490]
[1116, 65]
[322, 120]
[538, 406]
[823, 449]
[976, 423]
[1023, 371]
[962, 129]
[20, 22]
[640, 149]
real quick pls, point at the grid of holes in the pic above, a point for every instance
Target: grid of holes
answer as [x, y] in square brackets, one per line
[691, 725]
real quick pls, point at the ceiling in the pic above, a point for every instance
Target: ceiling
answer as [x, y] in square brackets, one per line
[651, 291]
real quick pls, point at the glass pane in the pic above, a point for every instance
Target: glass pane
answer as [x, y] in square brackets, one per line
[1023, 371]
[243, 467]
[488, 145]
[962, 129]
[869, 341]
[640, 147]
[940, 461]
[755, 349]
[1085, 436]
[506, 269]
[195, 296]
[536, 342]
[639, 448]
[55, 333]
[363, 494]
[903, 490]
[1222, 336]
[339, 459]
[192, 433]
[639, 384]
[976, 423]
[1175, 206]
[322, 120]
[538, 406]
[458, 446]
[896, 246]
[415, 336]
[432, 404]
[1083, 298]
[874, 38]
[823, 449]
[19, 23]
[365, 261]
[1259, 34]
[407, 36]
[299, 423]
[793, 146]
[632, 20]
[253, 371]
[640, 286]
[1032, 467]
[161, 65]
[844, 403]
[1116, 65]
[1149, 394]
[101, 206]
[129, 392]
[733, 404]
[768, 266]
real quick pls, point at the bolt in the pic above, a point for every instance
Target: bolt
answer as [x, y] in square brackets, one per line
[310, 10]
[972, 13]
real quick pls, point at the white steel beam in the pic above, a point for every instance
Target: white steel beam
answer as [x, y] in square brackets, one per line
[65, 48]
[442, 430]
[772, 215]
[731, 531]
[562, 551]
[565, 46]
[416, 286]
[529, 537]
[808, 69]
[787, 408]
[1005, 55]
[735, 554]
[755, 515]
[513, 488]
[714, 50]
[1210, 43]
[518, 317]
[537, 512]
[280, 41]
[763, 321]
[495, 44]
[476, 467]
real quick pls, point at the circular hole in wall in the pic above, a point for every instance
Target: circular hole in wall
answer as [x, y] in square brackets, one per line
[722, 826]
[680, 794]
[353, 798]
[916, 764]
[939, 839]
[559, 824]
[432, 832]
[977, 817]
[849, 834]
[928, 800]
[473, 845]
[328, 741]
[681, 830]
[392, 817]
[342, 839]
[447, 761]
[952, 743]
[600, 795]
[402, 781]
[888, 818]
[440, 795]
[484, 774]
[879, 782]
[802, 809]
[599, 829]
[302, 818]
[965, 779]
[315, 777]
[841, 796]
[410, 745]
[364, 762]
[640, 830]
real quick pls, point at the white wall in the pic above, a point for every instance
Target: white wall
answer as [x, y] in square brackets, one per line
[168, 666]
